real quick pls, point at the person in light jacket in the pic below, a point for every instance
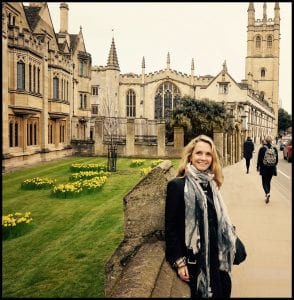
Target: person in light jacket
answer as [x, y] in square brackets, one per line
[200, 238]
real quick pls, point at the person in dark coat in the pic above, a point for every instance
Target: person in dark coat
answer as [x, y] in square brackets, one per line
[200, 238]
[267, 172]
[248, 148]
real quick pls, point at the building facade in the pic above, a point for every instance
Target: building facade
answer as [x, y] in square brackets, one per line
[45, 85]
[54, 100]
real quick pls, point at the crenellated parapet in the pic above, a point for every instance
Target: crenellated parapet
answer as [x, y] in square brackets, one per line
[177, 76]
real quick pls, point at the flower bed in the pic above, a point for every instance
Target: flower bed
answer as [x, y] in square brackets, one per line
[145, 171]
[137, 162]
[87, 167]
[156, 162]
[87, 175]
[76, 188]
[15, 224]
[38, 183]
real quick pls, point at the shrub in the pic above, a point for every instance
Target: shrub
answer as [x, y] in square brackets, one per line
[15, 224]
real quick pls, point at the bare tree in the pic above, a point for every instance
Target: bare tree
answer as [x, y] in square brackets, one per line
[109, 110]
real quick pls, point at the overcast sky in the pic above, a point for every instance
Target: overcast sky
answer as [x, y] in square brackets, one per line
[209, 32]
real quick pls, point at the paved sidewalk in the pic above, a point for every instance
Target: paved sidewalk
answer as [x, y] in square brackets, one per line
[265, 230]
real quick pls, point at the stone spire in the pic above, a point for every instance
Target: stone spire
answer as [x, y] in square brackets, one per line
[264, 19]
[168, 61]
[112, 61]
[143, 62]
[225, 69]
[277, 13]
[251, 14]
[192, 64]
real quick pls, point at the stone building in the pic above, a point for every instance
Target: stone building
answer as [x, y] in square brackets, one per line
[45, 85]
[148, 98]
[55, 103]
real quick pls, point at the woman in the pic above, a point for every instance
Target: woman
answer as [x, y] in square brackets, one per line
[200, 239]
[267, 168]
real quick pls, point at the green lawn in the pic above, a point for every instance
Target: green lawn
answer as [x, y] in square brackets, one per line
[70, 240]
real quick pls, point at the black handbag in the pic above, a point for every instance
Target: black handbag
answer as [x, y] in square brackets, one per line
[241, 253]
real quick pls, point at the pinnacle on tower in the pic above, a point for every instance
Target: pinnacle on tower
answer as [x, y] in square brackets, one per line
[112, 61]
[264, 19]
[192, 64]
[251, 14]
[277, 13]
[168, 60]
[225, 69]
[251, 6]
[143, 62]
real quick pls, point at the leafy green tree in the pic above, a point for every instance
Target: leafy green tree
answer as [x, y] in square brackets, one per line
[197, 117]
[284, 120]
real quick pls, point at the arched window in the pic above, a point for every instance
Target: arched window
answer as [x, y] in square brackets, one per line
[258, 42]
[262, 72]
[131, 103]
[269, 41]
[85, 101]
[166, 99]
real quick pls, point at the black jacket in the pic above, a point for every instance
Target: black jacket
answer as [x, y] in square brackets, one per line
[175, 223]
[175, 220]
[248, 149]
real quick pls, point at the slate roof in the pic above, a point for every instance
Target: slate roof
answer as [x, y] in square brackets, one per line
[32, 14]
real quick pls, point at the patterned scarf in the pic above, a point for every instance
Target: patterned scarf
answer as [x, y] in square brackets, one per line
[226, 233]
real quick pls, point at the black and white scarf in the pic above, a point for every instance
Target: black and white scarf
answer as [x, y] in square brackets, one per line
[226, 234]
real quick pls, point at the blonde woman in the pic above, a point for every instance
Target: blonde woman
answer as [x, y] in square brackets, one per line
[200, 239]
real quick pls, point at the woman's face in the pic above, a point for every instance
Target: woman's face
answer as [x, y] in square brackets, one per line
[201, 157]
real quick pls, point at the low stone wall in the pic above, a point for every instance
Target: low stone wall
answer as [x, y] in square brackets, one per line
[14, 163]
[133, 269]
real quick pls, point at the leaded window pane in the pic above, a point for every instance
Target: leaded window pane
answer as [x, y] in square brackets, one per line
[21, 75]
[55, 88]
[131, 104]
[158, 107]
[170, 94]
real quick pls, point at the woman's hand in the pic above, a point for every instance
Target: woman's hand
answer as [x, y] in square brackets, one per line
[183, 273]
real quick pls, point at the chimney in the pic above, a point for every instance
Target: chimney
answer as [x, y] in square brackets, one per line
[63, 17]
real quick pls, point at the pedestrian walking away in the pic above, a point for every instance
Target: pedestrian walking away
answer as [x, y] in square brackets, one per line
[200, 238]
[267, 161]
[248, 148]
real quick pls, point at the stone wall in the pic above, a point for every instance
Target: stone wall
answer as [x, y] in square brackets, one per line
[136, 265]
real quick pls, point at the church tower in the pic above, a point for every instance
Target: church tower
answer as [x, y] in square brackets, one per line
[263, 55]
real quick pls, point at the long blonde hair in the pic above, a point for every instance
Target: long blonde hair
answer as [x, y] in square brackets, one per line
[215, 166]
